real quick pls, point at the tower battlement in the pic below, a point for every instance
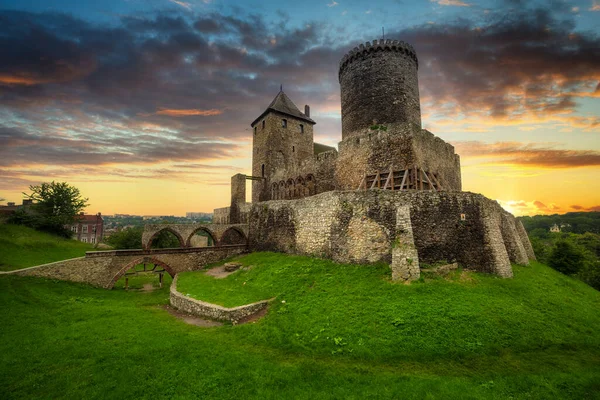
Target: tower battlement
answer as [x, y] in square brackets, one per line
[364, 50]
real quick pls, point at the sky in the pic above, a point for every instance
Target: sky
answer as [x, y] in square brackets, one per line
[146, 105]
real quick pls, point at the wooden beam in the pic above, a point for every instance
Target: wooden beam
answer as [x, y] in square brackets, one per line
[363, 183]
[392, 174]
[375, 181]
[416, 183]
[420, 178]
[404, 179]
[428, 180]
[388, 180]
[439, 187]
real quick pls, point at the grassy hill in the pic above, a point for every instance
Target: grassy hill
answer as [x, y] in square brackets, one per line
[333, 331]
[22, 247]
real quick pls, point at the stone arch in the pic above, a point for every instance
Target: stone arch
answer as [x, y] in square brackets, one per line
[289, 189]
[233, 234]
[301, 187]
[274, 191]
[311, 184]
[281, 190]
[145, 259]
[182, 242]
[201, 228]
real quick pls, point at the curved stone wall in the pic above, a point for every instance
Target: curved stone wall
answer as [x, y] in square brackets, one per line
[214, 311]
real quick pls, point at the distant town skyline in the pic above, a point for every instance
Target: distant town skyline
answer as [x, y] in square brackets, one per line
[146, 105]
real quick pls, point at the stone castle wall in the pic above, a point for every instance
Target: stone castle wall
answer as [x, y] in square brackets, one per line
[364, 227]
[379, 84]
[400, 146]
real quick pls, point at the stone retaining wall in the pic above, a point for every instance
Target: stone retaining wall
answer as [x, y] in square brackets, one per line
[213, 311]
[400, 228]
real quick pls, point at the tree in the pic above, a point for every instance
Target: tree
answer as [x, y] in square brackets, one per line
[566, 257]
[128, 238]
[55, 205]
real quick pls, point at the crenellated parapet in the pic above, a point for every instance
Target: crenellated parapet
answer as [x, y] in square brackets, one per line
[365, 50]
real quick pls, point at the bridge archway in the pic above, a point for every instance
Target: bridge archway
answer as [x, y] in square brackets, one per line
[182, 242]
[132, 264]
[210, 234]
[233, 236]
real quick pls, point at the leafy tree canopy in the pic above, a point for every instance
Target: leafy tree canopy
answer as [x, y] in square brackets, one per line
[55, 205]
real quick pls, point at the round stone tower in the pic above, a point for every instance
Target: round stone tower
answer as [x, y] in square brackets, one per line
[379, 83]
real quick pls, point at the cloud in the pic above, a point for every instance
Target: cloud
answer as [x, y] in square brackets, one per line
[582, 208]
[535, 207]
[451, 3]
[528, 155]
[595, 6]
[332, 4]
[183, 4]
[188, 112]
[511, 65]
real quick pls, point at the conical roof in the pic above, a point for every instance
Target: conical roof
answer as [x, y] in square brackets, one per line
[282, 104]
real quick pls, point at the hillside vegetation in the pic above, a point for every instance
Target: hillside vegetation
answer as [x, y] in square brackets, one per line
[332, 331]
[22, 247]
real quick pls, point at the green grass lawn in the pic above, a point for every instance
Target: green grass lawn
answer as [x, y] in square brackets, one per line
[343, 332]
[22, 247]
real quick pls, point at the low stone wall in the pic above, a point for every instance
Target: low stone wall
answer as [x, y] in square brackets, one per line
[400, 228]
[213, 311]
[104, 268]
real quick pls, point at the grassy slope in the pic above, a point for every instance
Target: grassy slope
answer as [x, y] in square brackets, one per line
[22, 247]
[343, 332]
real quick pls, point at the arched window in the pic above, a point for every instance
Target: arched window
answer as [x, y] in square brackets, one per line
[301, 128]
[263, 124]
[263, 170]
[284, 123]
[293, 149]
[255, 130]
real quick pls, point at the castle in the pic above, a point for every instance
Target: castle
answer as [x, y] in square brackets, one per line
[392, 192]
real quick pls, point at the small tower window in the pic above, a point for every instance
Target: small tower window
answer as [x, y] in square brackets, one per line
[263, 124]
[263, 170]
[284, 123]
[301, 128]
[255, 130]
[293, 149]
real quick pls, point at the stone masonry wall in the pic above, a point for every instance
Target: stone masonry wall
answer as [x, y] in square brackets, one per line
[213, 311]
[364, 227]
[103, 269]
[400, 147]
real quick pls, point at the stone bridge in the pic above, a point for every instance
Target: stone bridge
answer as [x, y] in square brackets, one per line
[104, 268]
[221, 234]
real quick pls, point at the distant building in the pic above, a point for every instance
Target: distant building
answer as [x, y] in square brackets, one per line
[88, 228]
[198, 215]
[554, 228]
[11, 207]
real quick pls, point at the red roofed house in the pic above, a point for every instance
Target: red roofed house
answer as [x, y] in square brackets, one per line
[88, 228]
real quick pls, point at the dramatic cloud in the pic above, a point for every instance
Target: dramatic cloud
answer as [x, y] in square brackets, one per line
[582, 208]
[536, 207]
[183, 4]
[528, 154]
[512, 65]
[184, 113]
[595, 6]
[183, 87]
[451, 3]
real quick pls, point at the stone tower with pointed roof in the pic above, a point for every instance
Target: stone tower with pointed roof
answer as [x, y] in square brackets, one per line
[282, 145]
